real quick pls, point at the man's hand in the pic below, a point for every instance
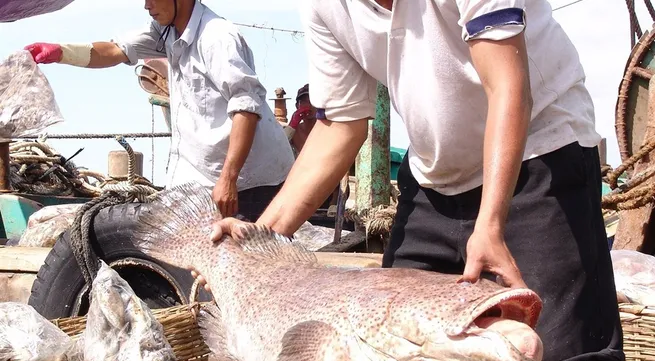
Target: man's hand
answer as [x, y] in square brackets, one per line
[486, 251]
[45, 53]
[226, 196]
[227, 226]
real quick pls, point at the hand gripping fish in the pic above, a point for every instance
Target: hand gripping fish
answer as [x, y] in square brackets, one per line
[276, 302]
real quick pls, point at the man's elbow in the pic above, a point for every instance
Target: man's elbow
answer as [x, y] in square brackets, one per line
[356, 131]
[361, 130]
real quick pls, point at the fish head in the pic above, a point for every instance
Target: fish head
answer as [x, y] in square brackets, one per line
[497, 325]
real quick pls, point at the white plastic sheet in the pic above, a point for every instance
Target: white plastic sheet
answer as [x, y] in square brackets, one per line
[634, 276]
[26, 335]
[46, 225]
[119, 326]
[27, 103]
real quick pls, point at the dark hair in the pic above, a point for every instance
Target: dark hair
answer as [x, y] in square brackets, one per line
[304, 91]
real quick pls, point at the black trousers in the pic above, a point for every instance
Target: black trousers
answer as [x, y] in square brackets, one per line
[556, 233]
[253, 201]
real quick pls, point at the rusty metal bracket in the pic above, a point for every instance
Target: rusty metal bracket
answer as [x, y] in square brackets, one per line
[5, 182]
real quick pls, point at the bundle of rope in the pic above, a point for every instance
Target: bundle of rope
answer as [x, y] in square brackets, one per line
[378, 220]
[37, 168]
[111, 194]
[634, 193]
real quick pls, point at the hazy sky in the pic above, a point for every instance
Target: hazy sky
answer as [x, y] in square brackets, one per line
[111, 101]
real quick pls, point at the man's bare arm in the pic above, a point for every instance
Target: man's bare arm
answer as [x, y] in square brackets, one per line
[242, 135]
[503, 69]
[106, 54]
[327, 155]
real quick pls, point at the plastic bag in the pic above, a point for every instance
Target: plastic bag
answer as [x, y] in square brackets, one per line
[27, 103]
[12, 10]
[27, 336]
[315, 237]
[634, 276]
[46, 225]
[119, 326]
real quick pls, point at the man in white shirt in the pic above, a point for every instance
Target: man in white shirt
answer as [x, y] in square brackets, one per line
[224, 134]
[491, 92]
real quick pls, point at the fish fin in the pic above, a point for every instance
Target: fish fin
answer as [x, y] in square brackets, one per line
[261, 241]
[172, 226]
[213, 330]
[313, 341]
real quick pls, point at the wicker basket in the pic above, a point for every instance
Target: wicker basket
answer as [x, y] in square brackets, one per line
[638, 323]
[180, 328]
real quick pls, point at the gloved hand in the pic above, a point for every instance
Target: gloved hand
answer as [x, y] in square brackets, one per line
[299, 115]
[45, 53]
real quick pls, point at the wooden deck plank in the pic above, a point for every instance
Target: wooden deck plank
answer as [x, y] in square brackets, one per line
[22, 259]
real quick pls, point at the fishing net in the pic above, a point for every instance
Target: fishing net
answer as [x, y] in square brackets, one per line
[27, 103]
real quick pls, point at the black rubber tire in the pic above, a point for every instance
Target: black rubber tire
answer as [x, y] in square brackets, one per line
[60, 281]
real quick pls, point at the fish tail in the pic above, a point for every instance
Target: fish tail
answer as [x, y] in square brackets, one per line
[175, 227]
[213, 332]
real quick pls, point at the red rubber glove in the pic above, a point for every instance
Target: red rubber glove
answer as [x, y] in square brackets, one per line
[44, 53]
[299, 115]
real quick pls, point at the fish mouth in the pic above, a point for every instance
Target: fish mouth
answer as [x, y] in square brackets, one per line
[518, 305]
[522, 305]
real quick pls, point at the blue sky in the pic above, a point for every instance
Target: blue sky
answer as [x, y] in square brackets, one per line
[111, 101]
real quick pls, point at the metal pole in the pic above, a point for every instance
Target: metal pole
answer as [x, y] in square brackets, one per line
[373, 164]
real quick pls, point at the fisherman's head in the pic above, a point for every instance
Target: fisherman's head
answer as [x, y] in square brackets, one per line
[302, 99]
[165, 12]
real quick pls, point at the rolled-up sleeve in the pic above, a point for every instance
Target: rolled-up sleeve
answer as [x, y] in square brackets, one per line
[229, 64]
[341, 90]
[140, 44]
[491, 19]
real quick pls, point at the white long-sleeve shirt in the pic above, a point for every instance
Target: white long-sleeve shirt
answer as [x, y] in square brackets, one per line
[420, 52]
[212, 75]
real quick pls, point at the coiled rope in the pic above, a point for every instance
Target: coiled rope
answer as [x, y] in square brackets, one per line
[112, 194]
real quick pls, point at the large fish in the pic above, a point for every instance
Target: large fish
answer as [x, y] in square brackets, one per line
[276, 302]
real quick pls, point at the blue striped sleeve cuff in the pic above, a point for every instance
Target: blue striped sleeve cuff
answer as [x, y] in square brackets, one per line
[514, 17]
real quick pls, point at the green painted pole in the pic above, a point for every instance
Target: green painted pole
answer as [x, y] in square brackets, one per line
[373, 163]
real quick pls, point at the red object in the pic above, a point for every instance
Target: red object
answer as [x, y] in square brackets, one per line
[44, 53]
[299, 115]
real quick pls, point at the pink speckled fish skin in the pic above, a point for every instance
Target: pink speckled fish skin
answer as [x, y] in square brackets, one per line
[275, 302]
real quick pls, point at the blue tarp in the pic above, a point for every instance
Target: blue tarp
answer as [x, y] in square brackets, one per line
[12, 10]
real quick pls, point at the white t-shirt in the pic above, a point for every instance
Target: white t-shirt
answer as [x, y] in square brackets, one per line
[419, 51]
[212, 75]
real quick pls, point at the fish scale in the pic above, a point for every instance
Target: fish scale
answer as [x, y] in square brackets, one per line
[275, 302]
